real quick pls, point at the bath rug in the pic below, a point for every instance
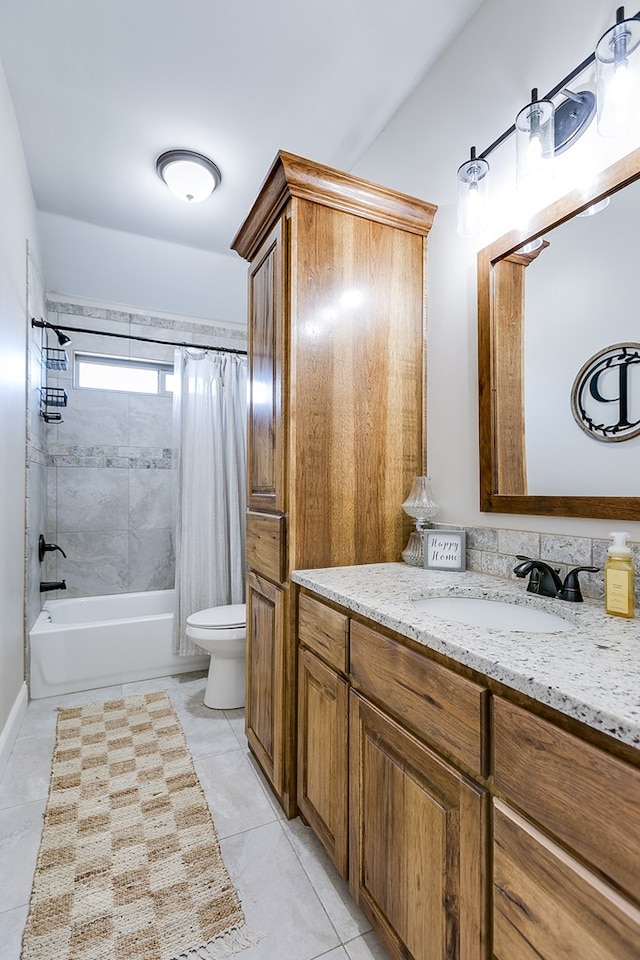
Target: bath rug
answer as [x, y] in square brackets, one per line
[129, 866]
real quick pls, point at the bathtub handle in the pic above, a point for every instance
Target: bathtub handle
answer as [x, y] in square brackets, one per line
[44, 547]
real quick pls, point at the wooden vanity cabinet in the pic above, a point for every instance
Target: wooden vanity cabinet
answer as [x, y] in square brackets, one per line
[532, 856]
[336, 400]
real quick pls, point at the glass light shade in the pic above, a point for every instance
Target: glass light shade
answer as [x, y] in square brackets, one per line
[535, 144]
[421, 506]
[473, 196]
[618, 79]
[188, 175]
[596, 207]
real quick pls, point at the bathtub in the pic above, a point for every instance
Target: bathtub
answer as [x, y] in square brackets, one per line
[88, 642]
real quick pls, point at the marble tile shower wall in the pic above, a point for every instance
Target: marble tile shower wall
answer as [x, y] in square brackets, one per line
[493, 551]
[110, 474]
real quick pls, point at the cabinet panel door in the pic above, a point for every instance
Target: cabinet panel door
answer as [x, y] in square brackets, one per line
[264, 712]
[266, 454]
[548, 906]
[417, 840]
[323, 754]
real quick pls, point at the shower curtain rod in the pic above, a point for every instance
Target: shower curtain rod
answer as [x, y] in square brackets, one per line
[44, 324]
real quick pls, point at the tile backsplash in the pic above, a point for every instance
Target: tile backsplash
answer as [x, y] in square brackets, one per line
[494, 551]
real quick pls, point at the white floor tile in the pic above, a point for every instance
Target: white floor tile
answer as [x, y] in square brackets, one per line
[20, 832]
[26, 775]
[236, 720]
[279, 902]
[367, 947]
[11, 926]
[332, 890]
[266, 786]
[235, 797]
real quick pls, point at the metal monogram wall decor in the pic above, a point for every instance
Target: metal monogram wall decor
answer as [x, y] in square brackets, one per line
[605, 397]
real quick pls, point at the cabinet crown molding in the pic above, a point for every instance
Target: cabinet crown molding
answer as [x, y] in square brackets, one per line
[292, 176]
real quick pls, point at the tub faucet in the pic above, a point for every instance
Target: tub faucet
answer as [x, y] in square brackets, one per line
[543, 579]
[52, 585]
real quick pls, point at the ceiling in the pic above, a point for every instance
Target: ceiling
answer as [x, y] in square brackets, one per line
[101, 89]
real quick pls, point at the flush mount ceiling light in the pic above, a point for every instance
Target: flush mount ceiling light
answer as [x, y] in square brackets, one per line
[189, 175]
[544, 129]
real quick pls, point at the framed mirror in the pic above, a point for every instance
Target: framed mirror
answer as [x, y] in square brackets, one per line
[552, 300]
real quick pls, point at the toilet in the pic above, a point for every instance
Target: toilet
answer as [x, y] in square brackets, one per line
[222, 632]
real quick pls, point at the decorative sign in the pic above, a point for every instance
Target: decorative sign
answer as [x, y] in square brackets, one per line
[605, 397]
[444, 549]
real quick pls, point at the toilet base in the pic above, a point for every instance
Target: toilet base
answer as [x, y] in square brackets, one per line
[225, 688]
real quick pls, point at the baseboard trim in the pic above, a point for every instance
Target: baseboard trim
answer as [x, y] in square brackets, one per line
[11, 727]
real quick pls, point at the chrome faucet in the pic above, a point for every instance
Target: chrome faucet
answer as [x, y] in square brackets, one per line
[545, 580]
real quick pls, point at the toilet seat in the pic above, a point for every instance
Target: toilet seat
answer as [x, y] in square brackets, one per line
[233, 616]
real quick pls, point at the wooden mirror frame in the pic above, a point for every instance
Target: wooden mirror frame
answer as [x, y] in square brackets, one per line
[500, 360]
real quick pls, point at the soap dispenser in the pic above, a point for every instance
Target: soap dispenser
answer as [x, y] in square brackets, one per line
[618, 578]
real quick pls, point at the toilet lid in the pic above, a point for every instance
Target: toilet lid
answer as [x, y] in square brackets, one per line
[233, 615]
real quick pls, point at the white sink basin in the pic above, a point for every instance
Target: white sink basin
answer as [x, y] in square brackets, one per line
[496, 614]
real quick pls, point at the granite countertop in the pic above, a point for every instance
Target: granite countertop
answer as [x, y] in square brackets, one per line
[590, 672]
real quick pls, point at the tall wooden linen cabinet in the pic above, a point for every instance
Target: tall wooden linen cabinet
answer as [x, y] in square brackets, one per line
[336, 407]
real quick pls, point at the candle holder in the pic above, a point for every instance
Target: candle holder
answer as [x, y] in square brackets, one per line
[421, 507]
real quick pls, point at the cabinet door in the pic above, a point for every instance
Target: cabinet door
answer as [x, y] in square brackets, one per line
[417, 837]
[266, 455]
[323, 754]
[548, 905]
[265, 705]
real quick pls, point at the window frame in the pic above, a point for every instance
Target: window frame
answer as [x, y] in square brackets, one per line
[164, 368]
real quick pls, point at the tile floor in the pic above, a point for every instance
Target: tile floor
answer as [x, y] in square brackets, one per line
[292, 896]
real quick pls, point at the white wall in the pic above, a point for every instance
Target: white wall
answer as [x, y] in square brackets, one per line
[84, 261]
[18, 225]
[470, 97]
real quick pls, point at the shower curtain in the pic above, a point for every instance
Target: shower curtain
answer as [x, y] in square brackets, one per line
[210, 401]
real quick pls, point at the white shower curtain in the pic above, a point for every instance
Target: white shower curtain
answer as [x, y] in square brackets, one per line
[210, 402]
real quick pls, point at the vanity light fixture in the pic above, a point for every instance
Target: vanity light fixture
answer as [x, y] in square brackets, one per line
[618, 77]
[535, 142]
[473, 196]
[191, 176]
[544, 129]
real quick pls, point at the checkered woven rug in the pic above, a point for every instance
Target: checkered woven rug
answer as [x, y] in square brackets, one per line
[129, 866]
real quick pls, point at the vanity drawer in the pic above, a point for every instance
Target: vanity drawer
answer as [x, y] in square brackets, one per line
[323, 630]
[265, 545]
[585, 797]
[546, 904]
[444, 709]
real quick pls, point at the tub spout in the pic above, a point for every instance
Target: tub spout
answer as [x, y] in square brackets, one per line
[52, 585]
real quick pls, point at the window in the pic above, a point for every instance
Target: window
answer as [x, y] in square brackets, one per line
[124, 374]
